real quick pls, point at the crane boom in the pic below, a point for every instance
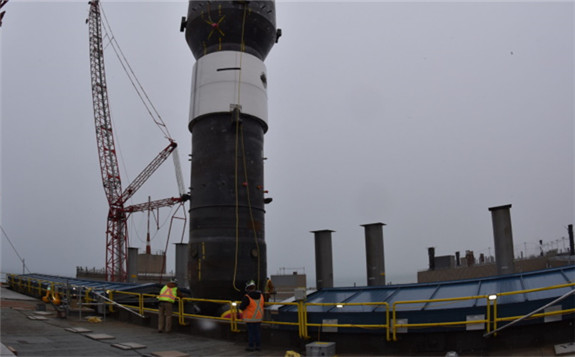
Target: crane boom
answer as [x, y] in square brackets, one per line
[147, 172]
[116, 231]
[116, 237]
[109, 167]
[148, 206]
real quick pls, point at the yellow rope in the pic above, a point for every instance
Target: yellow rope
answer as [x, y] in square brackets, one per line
[242, 49]
[237, 122]
[250, 206]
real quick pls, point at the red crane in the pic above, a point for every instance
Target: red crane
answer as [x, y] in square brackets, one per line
[116, 232]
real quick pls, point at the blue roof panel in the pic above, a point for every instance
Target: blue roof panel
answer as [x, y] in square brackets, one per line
[446, 290]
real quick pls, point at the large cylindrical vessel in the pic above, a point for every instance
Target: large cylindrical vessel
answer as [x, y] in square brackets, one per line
[228, 119]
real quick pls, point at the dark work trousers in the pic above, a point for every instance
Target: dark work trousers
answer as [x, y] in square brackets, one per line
[254, 334]
[165, 316]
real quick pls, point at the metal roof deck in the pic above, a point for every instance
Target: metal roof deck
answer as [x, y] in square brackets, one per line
[95, 285]
[445, 289]
[416, 309]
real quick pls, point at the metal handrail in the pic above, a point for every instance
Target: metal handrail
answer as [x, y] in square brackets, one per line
[532, 313]
[391, 325]
[395, 325]
[492, 317]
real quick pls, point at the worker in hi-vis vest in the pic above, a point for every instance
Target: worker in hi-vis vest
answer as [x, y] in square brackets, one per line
[252, 306]
[269, 290]
[167, 298]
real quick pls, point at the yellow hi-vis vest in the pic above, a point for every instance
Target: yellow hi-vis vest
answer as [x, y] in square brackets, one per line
[254, 312]
[167, 294]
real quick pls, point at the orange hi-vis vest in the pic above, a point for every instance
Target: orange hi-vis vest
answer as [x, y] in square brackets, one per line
[168, 294]
[254, 312]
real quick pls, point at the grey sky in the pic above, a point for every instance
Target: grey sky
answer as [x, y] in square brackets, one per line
[417, 115]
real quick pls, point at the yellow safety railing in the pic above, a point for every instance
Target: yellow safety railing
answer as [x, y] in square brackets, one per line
[44, 288]
[28, 286]
[396, 325]
[390, 325]
[340, 305]
[492, 317]
[497, 319]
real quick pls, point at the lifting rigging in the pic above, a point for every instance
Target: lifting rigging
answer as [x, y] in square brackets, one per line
[116, 231]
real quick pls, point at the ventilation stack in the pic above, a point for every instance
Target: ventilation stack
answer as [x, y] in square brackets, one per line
[374, 252]
[503, 238]
[182, 264]
[571, 241]
[132, 265]
[323, 259]
[431, 254]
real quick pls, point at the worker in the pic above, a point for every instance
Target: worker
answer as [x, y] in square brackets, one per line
[168, 296]
[269, 290]
[252, 306]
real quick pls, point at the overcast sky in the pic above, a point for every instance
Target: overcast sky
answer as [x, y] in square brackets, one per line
[417, 115]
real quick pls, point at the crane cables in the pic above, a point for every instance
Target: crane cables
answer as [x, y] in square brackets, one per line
[156, 117]
[24, 267]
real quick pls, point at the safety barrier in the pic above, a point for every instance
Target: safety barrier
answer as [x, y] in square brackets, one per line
[391, 325]
[497, 319]
[396, 325]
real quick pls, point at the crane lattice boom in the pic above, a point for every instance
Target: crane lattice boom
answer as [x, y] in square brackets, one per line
[116, 232]
[116, 238]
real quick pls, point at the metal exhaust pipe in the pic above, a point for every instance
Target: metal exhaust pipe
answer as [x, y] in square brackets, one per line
[503, 238]
[374, 252]
[323, 259]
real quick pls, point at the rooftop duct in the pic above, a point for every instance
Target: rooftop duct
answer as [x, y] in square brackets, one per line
[503, 238]
[374, 252]
[323, 259]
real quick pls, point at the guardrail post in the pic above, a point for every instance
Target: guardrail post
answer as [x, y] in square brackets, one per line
[181, 312]
[111, 306]
[233, 317]
[393, 321]
[495, 316]
[302, 319]
[488, 314]
[387, 336]
[141, 303]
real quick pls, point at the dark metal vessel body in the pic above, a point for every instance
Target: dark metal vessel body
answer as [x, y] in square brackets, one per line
[213, 26]
[228, 119]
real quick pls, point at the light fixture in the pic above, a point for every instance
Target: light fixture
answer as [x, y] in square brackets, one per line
[492, 297]
[339, 306]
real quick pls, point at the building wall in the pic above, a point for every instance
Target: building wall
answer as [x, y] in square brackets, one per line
[151, 264]
[286, 284]
[444, 262]
[489, 269]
